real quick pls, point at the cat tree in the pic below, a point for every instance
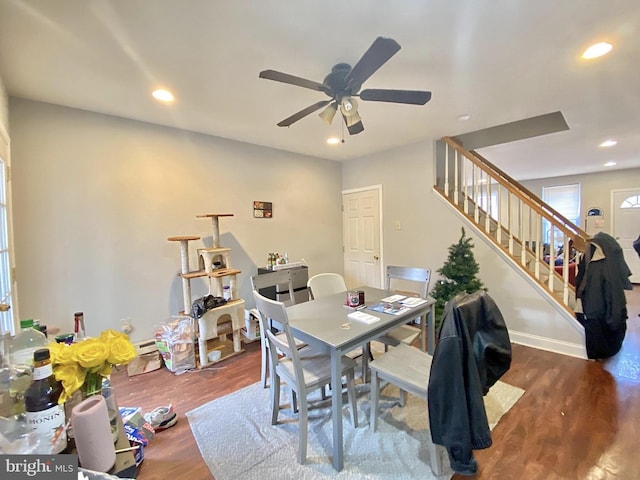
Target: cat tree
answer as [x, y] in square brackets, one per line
[216, 324]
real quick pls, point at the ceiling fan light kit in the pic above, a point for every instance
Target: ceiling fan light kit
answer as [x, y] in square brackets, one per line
[328, 113]
[343, 83]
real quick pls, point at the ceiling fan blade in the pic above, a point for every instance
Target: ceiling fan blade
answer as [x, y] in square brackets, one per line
[292, 80]
[303, 113]
[381, 50]
[413, 97]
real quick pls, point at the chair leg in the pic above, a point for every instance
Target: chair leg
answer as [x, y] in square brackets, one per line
[351, 393]
[275, 399]
[302, 423]
[367, 357]
[435, 458]
[265, 361]
[403, 398]
[373, 421]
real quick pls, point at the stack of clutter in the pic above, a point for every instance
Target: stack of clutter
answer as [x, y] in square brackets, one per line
[175, 342]
[139, 431]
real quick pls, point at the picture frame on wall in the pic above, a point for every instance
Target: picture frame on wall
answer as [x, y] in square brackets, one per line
[262, 209]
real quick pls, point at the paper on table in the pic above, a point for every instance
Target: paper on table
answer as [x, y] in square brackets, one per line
[393, 298]
[363, 317]
[390, 308]
[413, 301]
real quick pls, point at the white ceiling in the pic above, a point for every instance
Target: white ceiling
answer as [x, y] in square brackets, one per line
[498, 61]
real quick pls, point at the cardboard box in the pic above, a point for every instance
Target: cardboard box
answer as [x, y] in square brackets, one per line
[144, 363]
[148, 358]
[251, 329]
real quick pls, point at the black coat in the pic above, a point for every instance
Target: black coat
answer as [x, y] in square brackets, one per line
[472, 353]
[603, 275]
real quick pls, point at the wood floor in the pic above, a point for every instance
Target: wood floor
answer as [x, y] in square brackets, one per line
[578, 419]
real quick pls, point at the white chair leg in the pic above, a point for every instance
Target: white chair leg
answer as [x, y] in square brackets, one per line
[374, 400]
[265, 361]
[302, 423]
[435, 458]
[275, 399]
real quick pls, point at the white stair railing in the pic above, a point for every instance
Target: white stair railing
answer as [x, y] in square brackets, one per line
[531, 232]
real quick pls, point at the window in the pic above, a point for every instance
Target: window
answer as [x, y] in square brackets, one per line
[6, 316]
[489, 203]
[631, 202]
[565, 199]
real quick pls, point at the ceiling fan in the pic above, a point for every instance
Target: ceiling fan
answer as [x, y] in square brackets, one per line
[343, 84]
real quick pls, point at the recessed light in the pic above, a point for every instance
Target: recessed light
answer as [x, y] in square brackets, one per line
[333, 140]
[609, 164]
[608, 143]
[163, 95]
[464, 117]
[597, 50]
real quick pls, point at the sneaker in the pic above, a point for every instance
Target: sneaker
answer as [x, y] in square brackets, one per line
[162, 418]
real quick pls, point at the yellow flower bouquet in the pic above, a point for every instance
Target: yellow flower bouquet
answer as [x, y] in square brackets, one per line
[83, 365]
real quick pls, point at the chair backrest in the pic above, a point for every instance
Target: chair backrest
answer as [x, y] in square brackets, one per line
[325, 284]
[276, 311]
[273, 279]
[413, 274]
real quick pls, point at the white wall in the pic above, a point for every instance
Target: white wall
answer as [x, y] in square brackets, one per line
[429, 227]
[95, 198]
[4, 122]
[595, 189]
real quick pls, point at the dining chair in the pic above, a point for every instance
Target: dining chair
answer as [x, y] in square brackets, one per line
[406, 334]
[408, 368]
[259, 282]
[325, 284]
[303, 371]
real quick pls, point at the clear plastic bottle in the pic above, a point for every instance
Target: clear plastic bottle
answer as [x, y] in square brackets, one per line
[6, 404]
[23, 345]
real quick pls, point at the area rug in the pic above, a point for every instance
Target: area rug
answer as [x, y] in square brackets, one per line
[237, 441]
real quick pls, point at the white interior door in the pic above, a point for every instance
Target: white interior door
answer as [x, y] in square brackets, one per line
[626, 226]
[362, 234]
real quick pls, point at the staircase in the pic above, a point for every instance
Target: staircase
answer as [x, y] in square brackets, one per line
[526, 231]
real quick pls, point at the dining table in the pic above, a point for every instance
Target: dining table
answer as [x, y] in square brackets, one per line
[325, 325]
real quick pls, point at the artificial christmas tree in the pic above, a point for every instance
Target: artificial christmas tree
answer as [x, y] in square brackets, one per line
[459, 275]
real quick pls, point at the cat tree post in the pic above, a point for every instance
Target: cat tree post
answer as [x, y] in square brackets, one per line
[184, 268]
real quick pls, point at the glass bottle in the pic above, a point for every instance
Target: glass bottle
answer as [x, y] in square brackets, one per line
[78, 319]
[21, 350]
[42, 411]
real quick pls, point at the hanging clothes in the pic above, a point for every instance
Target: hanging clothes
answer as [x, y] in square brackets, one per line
[602, 277]
[472, 353]
[636, 245]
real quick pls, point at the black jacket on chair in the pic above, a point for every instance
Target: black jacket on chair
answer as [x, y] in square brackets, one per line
[472, 353]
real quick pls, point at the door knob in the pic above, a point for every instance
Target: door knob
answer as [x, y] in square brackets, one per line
[376, 257]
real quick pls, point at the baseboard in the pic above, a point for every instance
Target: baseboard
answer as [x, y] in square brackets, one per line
[549, 344]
